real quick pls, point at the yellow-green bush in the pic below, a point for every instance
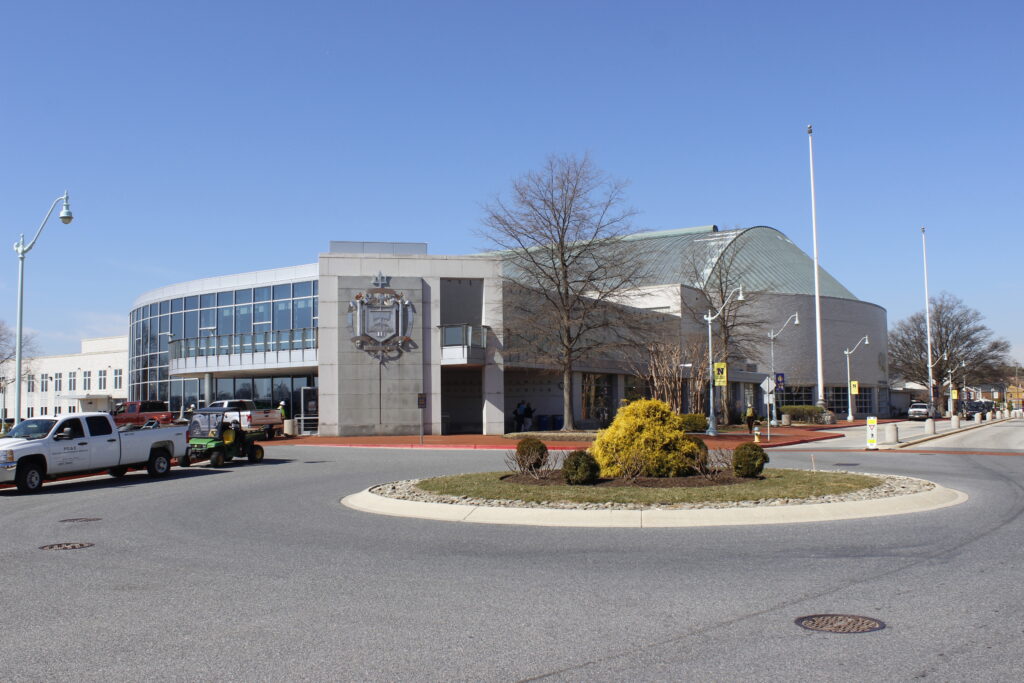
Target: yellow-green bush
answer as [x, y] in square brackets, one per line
[646, 438]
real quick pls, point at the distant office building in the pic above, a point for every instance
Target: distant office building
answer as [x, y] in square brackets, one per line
[94, 379]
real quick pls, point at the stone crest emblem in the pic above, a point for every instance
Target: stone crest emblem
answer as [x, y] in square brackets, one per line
[380, 320]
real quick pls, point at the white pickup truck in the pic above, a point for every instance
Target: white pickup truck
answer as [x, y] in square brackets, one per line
[251, 418]
[47, 448]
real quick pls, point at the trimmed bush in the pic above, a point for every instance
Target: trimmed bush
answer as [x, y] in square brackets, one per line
[531, 455]
[802, 413]
[748, 460]
[702, 457]
[580, 469]
[646, 438]
[694, 422]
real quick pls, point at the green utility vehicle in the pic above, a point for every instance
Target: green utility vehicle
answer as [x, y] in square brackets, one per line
[215, 434]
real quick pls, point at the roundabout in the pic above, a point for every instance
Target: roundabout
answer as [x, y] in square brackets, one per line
[893, 496]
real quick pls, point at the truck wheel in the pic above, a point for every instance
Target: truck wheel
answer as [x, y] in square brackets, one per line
[29, 477]
[217, 459]
[118, 472]
[184, 460]
[268, 433]
[256, 454]
[159, 463]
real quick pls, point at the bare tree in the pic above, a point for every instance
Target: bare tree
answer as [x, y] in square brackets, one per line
[958, 335]
[740, 330]
[8, 349]
[565, 264]
[660, 364]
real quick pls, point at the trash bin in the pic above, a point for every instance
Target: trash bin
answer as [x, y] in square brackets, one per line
[787, 419]
[543, 423]
[557, 422]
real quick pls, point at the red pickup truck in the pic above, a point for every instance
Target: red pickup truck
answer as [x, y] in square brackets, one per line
[140, 412]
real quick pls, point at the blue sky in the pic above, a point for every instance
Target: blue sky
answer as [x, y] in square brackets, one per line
[203, 138]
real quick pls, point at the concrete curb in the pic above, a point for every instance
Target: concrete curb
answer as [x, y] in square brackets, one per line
[935, 499]
[932, 437]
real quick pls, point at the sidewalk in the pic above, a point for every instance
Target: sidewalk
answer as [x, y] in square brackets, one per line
[781, 436]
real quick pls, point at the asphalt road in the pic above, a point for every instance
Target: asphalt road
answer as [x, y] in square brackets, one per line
[256, 572]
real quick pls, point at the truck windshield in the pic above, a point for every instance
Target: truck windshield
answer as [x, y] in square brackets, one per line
[31, 429]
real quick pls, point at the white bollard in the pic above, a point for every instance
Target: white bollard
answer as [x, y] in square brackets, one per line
[954, 422]
[892, 433]
[977, 418]
[929, 426]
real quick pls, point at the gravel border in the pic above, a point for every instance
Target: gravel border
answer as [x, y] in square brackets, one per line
[889, 486]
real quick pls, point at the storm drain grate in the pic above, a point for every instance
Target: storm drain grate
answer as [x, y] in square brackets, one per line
[65, 546]
[81, 519]
[840, 623]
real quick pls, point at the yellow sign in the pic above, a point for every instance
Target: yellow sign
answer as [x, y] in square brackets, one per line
[854, 387]
[956, 394]
[721, 375]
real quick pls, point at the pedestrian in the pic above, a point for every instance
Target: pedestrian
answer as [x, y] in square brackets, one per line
[750, 418]
[517, 417]
[284, 411]
[527, 418]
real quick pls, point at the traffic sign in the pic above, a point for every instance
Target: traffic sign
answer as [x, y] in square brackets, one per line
[872, 433]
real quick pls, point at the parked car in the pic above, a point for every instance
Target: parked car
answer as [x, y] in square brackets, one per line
[250, 418]
[920, 411]
[46, 448]
[140, 412]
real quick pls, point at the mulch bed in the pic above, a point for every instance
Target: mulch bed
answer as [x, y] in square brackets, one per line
[556, 478]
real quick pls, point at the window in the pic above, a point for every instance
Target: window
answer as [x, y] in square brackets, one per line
[225, 298]
[282, 292]
[31, 381]
[101, 380]
[282, 315]
[57, 381]
[42, 411]
[86, 380]
[72, 409]
[796, 396]
[207, 300]
[71, 381]
[75, 425]
[56, 410]
[835, 398]
[30, 412]
[98, 425]
[44, 382]
[862, 402]
[118, 379]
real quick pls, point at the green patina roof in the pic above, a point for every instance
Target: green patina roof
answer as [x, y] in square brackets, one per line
[767, 259]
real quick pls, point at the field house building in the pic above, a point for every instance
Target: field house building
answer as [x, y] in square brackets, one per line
[383, 338]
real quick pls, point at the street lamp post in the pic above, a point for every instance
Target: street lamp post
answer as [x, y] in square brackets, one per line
[20, 248]
[774, 421]
[931, 365]
[712, 431]
[849, 395]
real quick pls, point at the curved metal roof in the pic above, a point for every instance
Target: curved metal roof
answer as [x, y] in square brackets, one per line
[765, 258]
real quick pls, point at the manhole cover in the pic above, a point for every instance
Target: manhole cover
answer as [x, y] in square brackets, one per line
[840, 623]
[81, 519]
[65, 546]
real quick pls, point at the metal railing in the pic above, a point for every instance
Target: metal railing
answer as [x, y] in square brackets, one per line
[464, 335]
[257, 342]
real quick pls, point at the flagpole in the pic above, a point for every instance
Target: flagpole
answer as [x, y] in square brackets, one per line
[817, 284]
[928, 323]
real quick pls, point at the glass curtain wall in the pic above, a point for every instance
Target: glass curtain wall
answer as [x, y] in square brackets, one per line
[284, 307]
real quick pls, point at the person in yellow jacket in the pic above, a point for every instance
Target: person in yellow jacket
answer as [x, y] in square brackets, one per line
[751, 416]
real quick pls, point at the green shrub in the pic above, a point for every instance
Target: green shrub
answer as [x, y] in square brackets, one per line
[645, 438]
[694, 422]
[580, 469]
[702, 457]
[531, 455]
[748, 460]
[802, 413]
